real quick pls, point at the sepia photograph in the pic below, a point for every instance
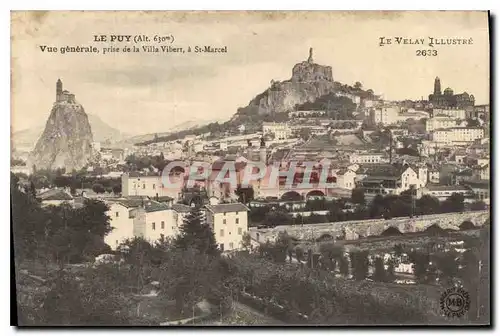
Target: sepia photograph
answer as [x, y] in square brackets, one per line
[250, 168]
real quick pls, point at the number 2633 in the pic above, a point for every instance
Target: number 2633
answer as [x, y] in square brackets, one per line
[427, 52]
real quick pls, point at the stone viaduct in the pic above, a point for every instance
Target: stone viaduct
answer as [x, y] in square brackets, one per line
[371, 227]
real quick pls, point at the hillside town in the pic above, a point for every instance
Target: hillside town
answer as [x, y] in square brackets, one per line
[349, 183]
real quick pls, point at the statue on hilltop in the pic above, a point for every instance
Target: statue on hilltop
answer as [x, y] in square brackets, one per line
[310, 58]
[308, 71]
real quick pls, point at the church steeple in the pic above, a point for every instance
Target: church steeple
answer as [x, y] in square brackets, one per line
[310, 59]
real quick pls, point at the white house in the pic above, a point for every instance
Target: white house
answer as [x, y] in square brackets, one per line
[142, 217]
[387, 179]
[229, 223]
[404, 268]
[121, 221]
[154, 220]
[450, 112]
[457, 134]
[135, 184]
[20, 170]
[346, 179]
[386, 115]
[442, 192]
[281, 131]
[439, 122]
[367, 158]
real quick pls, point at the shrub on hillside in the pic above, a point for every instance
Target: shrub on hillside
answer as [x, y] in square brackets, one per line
[329, 300]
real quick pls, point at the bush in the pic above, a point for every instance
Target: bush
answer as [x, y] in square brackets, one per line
[329, 300]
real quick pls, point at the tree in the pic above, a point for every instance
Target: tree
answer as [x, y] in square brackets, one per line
[299, 254]
[331, 253]
[398, 250]
[421, 262]
[61, 181]
[277, 217]
[195, 233]
[283, 247]
[344, 266]
[305, 133]
[379, 274]
[95, 299]
[358, 196]
[358, 85]
[454, 203]
[447, 266]
[428, 204]
[246, 241]
[27, 215]
[98, 188]
[188, 276]
[473, 122]
[117, 188]
[77, 234]
[360, 263]
[377, 207]
[478, 205]
[138, 253]
[245, 195]
[258, 214]
[93, 218]
[390, 273]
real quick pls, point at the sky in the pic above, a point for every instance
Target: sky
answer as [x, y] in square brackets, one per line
[140, 93]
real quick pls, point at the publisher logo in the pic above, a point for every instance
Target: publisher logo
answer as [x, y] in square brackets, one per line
[455, 302]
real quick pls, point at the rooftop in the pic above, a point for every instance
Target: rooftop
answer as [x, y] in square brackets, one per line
[153, 206]
[140, 174]
[385, 171]
[482, 184]
[179, 207]
[55, 195]
[230, 207]
[438, 187]
[131, 203]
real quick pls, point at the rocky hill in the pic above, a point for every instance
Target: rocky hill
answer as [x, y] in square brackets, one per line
[309, 81]
[311, 87]
[66, 141]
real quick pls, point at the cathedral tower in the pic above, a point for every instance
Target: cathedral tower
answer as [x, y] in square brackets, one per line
[437, 87]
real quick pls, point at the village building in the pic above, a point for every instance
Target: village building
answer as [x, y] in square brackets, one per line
[229, 223]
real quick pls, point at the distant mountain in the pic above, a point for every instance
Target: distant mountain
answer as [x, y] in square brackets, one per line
[187, 125]
[25, 140]
[103, 132]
